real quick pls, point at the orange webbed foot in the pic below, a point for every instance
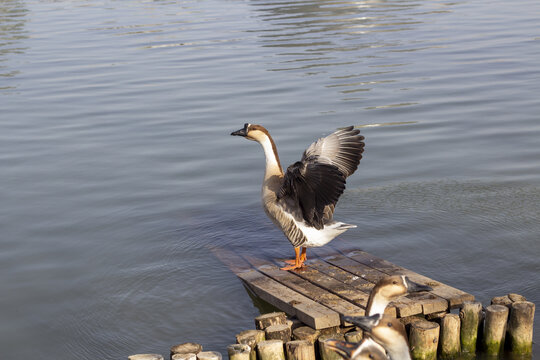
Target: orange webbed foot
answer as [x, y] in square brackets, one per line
[293, 266]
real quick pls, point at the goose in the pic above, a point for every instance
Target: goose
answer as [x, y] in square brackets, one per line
[364, 350]
[301, 201]
[387, 289]
[390, 288]
[386, 331]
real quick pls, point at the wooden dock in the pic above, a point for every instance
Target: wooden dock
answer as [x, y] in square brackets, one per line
[335, 282]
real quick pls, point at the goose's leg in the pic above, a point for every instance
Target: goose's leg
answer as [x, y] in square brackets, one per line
[297, 263]
[303, 256]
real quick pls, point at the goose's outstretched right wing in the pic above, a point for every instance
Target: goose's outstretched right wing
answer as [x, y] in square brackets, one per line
[343, 149]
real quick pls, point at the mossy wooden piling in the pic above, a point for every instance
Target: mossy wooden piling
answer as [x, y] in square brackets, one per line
[423, 340]
[494, 329]
[354, 336]
[266, 320]
[187, 356]
[300, 350]
[306, 333]
[449, 342]
[186, 348]
[239, 352]
[278, 332]
[470, 321]
[520, 327]
[270, 350]
[251, 338]
[325, 352]
[209, 355]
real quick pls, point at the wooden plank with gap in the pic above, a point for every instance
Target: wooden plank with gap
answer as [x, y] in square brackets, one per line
[305, 287]
[455, 297]
[403, 307]
[333, 285]
[306, 310]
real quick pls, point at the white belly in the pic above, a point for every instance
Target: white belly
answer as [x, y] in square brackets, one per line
[316, 238]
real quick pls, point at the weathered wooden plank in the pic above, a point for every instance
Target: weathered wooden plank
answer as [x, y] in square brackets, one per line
[455, 297]
[405, 306]
[306, 310]
[307, 288]
[367, 273]
[342, 275]
[332, 285]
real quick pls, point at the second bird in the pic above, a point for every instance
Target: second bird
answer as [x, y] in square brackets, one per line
[301, 201]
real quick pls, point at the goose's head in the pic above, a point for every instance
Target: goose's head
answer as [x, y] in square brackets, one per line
[252, 132]
[392, 287]
[364, 350]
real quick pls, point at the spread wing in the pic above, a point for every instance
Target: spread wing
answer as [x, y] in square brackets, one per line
[312, 186]
[342, 148]
[317, 181]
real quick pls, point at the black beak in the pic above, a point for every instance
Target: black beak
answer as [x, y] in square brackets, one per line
[366, 323]
[415, 287]
[241, 132]
[343, 348]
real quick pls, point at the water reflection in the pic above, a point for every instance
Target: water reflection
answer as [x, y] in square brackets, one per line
[322, 37]
[12, 30]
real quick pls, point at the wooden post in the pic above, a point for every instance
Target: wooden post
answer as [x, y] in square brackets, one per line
[209, 355]
[470, 321]
[520, 327]
[306, 333]
[516, 297]
[449, 345]
[300, 350]
[294, 323]
[327, 353]
[502, 300]
[186, 348]
[145, 357]
[239, 351]
[188, 356]
[251, 338]
[354, 336]
[271, 350]
[278, 332]
[423, 340]
[494, 329]
[265, 320]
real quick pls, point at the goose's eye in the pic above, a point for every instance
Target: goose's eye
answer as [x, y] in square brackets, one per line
[394, 282]
[389, 324]
[371, 356]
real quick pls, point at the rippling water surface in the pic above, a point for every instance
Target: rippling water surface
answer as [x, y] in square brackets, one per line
[118, 171]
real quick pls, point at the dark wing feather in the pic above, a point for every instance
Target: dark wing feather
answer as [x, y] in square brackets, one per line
[343, 149]
[313, 186]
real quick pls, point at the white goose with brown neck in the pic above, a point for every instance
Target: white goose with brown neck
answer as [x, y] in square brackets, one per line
[301, 201]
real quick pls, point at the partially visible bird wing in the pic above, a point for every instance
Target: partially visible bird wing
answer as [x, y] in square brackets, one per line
[313, 186]
[342, 148]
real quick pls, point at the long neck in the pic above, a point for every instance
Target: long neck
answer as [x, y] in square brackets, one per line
[273, 166]
[376, 304]
[398, 350]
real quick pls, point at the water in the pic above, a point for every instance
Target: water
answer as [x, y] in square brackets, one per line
[118, 173]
